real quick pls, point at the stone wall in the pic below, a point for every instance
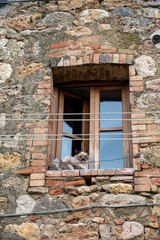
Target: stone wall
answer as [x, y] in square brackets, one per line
[36, 39]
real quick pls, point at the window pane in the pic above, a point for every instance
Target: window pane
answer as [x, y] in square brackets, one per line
[72, 105]
[66, 147]
[111, 150]
[110, 101]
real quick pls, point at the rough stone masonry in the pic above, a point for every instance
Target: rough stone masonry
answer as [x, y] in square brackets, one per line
[37, 38]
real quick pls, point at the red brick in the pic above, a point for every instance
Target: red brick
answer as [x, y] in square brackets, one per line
[132, 71]
[59, 54]
[37, 183]
[113, 50]
[68, 220]
[106, 219]
[142, 188]
[86, 59]
[125, 171]
[51, 173]
[142, 181]
[53, 183]
[148, 173]
[75, 183]
[136, 83]
[39, 142]
[40, 130]
[102, 178]
[73, 60]
[118, 221]
[136, 89]
[57, 191]
[29, 170]
[135, 150]
[38, 163]
[151, 126]
[106, 172]
[137, 115]
[37, 124]
[88, 172]
[33, 217]
[145, 165]
[96, 58]
[156, 181]
[136, 78]
[138, 127]
[62, 44]
[37, 176]
[153, 218]
[38, 156]
[70, 173]
[122, 59]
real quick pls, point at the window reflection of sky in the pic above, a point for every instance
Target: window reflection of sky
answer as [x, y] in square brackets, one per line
[66, 147]
[112, 149]
[67, 128]
[110, 106]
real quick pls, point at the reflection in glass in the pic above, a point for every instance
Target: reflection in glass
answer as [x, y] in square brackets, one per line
[111, 149]
[66, 147]
[110, 101]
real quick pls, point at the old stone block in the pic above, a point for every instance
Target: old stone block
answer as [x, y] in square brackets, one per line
[153, 85]
[8, 161]
[90, 15]
[128, 230]
[25, 230]
[25, 204]
[81, 201]
[118, 188]
[104, 231]
[19, 23]
[122, 199]
[145, 66]
[5, 72]
[58, 19]
[3, 202]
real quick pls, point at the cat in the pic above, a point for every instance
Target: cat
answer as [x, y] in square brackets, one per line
[78, 161]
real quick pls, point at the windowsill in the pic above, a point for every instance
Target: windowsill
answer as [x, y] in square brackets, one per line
[90, 172]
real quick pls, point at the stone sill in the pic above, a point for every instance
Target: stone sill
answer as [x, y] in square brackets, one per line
[90, 172]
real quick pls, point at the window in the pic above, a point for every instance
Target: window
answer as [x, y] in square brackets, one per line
[90, 118]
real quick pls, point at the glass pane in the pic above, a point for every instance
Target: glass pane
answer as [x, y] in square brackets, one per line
[110, 101]
[72, 105]
[111, 151]
[66, 147]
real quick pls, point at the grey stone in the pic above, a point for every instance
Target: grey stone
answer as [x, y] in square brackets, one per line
[129, 230]
[123, 11]
[156, 209]
[104, 231]
[25, 204]
[5, 71]
[145, 66]
[7, 9]
[153, 85]
[151, 13]
[122, 199]
[92, 14]
[58, 19]
[136, 24]
[147, 101]
[149, 3]
[49, 230]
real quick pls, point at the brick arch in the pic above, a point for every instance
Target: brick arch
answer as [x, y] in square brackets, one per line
[94, 58]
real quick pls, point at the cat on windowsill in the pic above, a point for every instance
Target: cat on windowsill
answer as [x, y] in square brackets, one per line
[79, 161]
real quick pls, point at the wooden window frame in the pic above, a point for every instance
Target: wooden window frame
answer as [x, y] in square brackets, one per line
[93, 126]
